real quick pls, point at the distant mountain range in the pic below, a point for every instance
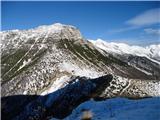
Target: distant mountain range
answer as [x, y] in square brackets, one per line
[151, 52]
[36, 63]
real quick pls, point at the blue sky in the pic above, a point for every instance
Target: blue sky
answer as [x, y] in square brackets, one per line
[129, 22]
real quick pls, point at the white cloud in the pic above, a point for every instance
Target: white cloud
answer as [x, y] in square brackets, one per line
[123, 29]
[149, 17]
[152, 31]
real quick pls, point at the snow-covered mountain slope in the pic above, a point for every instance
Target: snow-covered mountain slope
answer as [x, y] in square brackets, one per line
[145, 59]
[152, 52]
[47, 59]
[118, 109]
[33, 60]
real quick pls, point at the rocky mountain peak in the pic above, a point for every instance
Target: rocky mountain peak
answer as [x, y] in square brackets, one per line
[44, 34]
[66, 31]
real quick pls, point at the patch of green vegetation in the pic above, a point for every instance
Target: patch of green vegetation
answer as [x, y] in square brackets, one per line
[66, 42]
[12, 62]
[92, 55]
[34, 60]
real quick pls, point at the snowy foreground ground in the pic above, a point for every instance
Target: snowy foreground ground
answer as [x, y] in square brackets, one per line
[119, 109]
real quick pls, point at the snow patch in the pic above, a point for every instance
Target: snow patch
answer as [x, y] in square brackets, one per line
[119, 109]
[76, 70]
[59, 83]
[24, 64]
[147, 73]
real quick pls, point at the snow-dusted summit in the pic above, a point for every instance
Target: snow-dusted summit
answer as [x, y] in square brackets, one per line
[152, 51]
[14, 38]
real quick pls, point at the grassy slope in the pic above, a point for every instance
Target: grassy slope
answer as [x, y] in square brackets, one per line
[82, 50]
[11, 62]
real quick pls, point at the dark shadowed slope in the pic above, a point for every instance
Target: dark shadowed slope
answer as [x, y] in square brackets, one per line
[60, 103]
